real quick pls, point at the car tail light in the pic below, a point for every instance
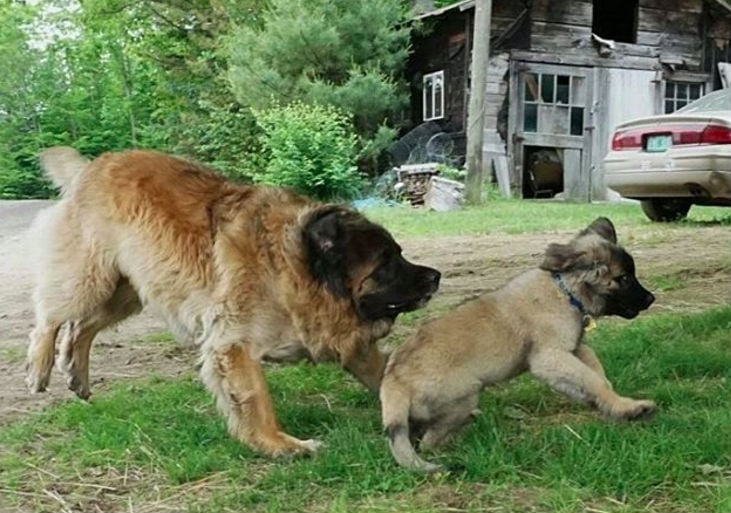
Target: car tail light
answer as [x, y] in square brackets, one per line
[627, 140]
[716, 134]
[687, 135]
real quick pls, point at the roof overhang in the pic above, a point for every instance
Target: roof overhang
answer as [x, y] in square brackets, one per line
[462, 6]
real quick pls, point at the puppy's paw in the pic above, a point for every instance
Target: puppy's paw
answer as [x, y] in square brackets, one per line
[632, 409]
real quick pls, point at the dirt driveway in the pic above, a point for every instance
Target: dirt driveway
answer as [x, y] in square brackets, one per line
[689, 267]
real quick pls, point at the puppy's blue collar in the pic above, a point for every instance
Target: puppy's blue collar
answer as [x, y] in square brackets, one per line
[573, 300]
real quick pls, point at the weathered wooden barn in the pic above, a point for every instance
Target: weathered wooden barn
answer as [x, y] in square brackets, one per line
[562, 74]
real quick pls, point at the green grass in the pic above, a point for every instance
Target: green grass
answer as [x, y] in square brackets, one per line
[514, 216]
[158, 443]
[12, 354]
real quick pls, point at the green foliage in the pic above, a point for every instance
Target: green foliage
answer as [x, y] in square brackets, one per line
[451, 173]
[309, 148]
[332, 52]
[107, 74]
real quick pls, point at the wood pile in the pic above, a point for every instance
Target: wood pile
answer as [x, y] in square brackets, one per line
[413, 181]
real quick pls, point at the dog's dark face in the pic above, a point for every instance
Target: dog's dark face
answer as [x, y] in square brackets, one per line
[355, 258]
[605, 272]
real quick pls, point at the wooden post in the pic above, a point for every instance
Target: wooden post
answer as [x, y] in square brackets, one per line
[476, 109]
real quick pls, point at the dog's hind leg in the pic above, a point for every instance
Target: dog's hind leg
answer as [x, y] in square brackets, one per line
[78, 336]
[237, 381]
[459, 415]
[74, 279]
[41, 353]
[567, 374]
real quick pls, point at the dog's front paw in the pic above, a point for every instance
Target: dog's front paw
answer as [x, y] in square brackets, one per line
[36, 381]
[632, 409]
[285, 445]
[312, 445]
[78, 386]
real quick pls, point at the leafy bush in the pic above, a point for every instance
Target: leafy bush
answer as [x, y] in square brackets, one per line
[20, 182]
[309, 148]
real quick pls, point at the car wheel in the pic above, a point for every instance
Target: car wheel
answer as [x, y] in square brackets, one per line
[666, 209]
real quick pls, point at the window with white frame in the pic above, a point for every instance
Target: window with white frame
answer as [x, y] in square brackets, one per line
[433, 96]
[680, 94]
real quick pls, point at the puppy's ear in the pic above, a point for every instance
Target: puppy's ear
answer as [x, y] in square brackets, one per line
[323, 240]
[603, 227]
[563, 258]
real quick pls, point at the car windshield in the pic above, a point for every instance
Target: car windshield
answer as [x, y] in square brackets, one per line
[717, 100]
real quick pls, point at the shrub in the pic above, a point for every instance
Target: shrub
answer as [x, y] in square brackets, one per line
[310, 149]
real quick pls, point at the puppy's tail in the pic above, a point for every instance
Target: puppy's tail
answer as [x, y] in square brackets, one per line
[62, 164]
[395, 406]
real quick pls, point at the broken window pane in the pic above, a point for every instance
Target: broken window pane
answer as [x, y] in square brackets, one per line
[577, 121]
[531, 87]
[547, 88]
[530, 117]
[562, 89]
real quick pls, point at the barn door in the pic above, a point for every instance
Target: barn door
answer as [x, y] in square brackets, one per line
[552, 130]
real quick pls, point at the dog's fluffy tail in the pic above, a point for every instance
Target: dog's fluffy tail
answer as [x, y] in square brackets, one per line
[395, 406]
[62, 164]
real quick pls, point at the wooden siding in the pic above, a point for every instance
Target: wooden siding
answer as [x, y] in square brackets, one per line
[667, 30]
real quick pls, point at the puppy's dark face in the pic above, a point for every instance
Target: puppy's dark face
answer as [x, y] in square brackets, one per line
[623, 293]
[605, 272]
[355, 258]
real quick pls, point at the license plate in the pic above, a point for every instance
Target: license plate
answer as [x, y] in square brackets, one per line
[659, 143]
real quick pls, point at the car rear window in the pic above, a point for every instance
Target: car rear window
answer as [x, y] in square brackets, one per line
[717, 100]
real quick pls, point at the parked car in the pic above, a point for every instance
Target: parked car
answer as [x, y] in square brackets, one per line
[673, 161]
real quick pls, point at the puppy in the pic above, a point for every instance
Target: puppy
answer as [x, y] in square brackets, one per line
[535, 323]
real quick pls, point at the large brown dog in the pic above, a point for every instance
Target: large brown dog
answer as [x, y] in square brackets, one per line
[258, 273]
[535, 322]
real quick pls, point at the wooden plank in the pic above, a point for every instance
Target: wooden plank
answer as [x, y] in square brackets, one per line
[664, 39]
[514, 148]
[577, 13]
[635, 50]
[559, 44]
[502, 174]
[586, 57]
[694, 6]
[575, 183]
[665, 20]
[560, 31]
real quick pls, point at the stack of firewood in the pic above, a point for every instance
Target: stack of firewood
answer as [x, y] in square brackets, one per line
[413, 181]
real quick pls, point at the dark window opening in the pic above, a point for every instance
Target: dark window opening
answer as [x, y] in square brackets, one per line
[542, 171]
[615, 19]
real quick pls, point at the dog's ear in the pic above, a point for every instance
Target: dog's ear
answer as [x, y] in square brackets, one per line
[322, 233]
[563, 258]
[603, 227]
[323, 239]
